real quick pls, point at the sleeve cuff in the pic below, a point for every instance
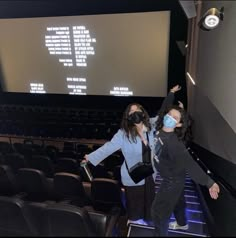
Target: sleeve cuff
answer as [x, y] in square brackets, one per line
[210, 182]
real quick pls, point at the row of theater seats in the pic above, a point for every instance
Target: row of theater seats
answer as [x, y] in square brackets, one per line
[54, 187]
[65, 196]
[21, 218]
[70, 150]
[53, 122]
[39, 113]
[51, 160]
[28, 147]
[32, 185]
[78, 130]
[49, 167]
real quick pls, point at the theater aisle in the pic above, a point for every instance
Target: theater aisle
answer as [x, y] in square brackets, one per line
[196, 221]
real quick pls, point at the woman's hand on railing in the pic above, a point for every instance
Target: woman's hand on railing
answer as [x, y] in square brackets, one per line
[214, 191]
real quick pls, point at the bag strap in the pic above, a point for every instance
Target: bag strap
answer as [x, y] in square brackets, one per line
[126, 166]
[147, 137]
[125, 159]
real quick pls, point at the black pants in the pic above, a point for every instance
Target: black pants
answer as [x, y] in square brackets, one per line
[167, 200]
[139, 200]
[179, 210]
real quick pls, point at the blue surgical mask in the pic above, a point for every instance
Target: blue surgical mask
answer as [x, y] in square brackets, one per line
[169, 121]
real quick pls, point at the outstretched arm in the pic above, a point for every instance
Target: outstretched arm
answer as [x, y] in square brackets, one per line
[201, 177]
[169, 100]
[194, 170]
[107, 149]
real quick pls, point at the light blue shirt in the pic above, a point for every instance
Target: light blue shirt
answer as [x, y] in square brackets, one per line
[132, 152]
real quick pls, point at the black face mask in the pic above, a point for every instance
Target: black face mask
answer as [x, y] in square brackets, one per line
[136, 117]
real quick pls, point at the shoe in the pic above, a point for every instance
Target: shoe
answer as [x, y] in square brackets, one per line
[138, 222]
[141, 222]
[175, 226]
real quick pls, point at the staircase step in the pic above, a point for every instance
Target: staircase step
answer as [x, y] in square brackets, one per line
[189, 187]
[191, 221]
[189, 192]
[189, 198]
[188, 181]
[176, 233]
[193, 205]
[135, 230]
[195, 215]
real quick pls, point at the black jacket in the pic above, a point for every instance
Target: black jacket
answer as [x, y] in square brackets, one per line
[175, 161]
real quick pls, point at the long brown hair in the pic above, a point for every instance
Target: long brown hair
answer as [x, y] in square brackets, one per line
[129, 128]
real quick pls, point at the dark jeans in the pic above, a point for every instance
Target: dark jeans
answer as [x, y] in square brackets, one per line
[167, 200]
[139, 200]
[179, 211]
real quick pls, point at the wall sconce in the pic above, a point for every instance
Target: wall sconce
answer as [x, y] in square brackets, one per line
[211, 19]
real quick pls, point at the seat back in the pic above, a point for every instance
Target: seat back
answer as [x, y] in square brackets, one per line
[67, 165]
[52, 152]
[15, 161]
[34, 183]
[100, 222]
[99, 171]
[67, 220]
[18, 147]
[106, 194]
[36, 211]
[68, 186]
[44, 164]
[15, 219]
[68, 154]
[5, 147]
[8, 183]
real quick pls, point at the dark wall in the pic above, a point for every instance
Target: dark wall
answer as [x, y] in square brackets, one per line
[222, 210]
[212, 99]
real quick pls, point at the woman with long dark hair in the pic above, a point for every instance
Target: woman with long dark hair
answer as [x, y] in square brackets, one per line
[173, 161]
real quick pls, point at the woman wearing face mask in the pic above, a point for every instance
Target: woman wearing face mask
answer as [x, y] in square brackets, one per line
[135, 135]
[173, 161]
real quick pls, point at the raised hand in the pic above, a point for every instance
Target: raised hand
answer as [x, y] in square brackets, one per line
[181, 105]
[85, 159]
[214, 191]
[175, 89]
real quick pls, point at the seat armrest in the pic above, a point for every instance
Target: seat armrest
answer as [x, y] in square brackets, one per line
[114, 216]
[20, 195]
[87, 188]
